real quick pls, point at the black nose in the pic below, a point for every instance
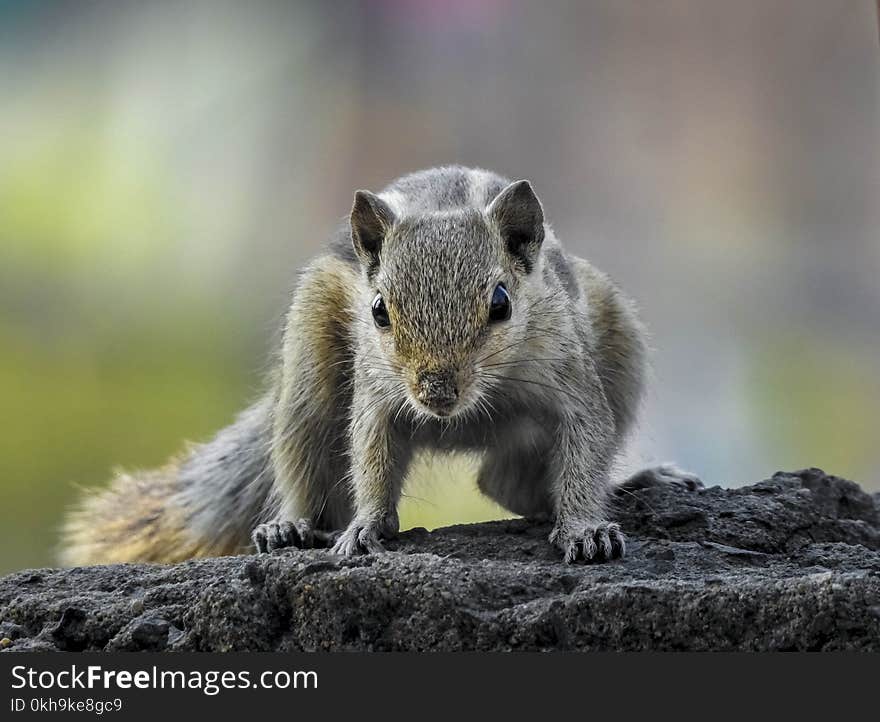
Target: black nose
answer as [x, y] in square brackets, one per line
[437, 390]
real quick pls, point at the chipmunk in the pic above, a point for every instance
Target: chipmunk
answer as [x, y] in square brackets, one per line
[445, 315]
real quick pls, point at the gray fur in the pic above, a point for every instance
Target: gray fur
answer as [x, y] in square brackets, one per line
[547, 396]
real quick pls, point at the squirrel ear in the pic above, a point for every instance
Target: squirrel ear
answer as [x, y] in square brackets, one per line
[518, 215]
[371, 217]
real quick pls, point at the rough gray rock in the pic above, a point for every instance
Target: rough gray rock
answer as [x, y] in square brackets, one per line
[789, 563]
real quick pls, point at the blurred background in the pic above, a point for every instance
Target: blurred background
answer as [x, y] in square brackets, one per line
[166, 168]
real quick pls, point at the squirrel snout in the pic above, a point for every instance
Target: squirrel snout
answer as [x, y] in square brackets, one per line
[437, 390]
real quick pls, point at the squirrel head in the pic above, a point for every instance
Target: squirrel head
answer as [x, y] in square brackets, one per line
[447, 294]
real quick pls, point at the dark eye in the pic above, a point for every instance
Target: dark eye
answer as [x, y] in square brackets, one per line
[380, 313]
[499, 309]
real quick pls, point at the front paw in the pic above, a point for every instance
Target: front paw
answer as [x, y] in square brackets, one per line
[360, 537]
[589, 542]
[280, 534]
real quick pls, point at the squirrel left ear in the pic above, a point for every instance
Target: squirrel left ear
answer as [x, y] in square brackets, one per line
[371, 217]
[518, 215]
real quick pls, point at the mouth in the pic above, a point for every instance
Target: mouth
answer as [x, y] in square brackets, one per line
[446, 407]
[439, 410]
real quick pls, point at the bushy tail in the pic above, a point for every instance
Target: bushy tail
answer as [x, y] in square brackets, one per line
[204, 504]
[133, 520]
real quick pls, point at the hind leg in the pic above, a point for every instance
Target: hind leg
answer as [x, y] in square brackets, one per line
[621, 361]
[310, 444]
[660, 476]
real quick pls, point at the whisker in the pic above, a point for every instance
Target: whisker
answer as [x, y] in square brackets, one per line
[527, 360]
[551, 387]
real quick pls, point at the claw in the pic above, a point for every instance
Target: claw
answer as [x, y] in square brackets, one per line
[599, 542]
[604, 541]
[618, 541]
[259, 538]
[359, 538]
[369, 540]
[275, 535]
[589, 547]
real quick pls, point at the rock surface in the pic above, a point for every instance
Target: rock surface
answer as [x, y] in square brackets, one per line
[790, 563]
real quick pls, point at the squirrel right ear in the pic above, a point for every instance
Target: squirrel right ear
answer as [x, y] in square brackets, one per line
[518, 215]
[371, 217]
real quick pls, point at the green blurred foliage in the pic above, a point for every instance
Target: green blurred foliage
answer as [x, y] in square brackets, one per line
[815, 402]
[67, 198]
[74, 411]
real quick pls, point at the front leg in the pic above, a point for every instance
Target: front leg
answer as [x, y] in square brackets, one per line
[585, 451]
[379, 463]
